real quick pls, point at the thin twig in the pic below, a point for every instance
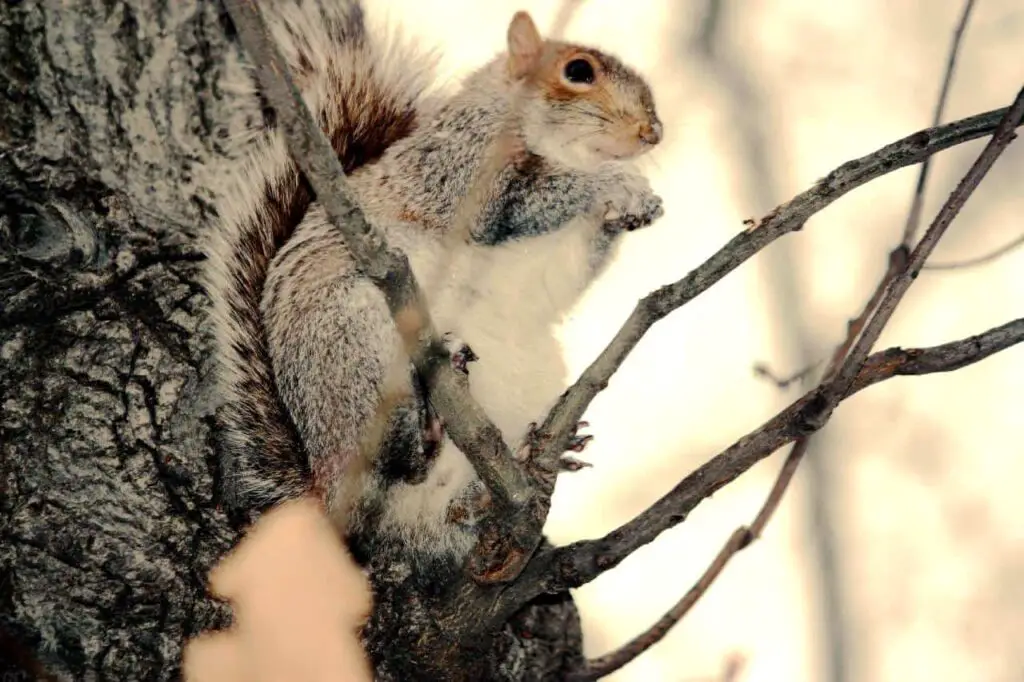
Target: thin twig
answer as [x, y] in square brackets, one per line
[760, 177]
[556, 429]
[897, 261]
[917, 203]
[897, 264]
[566, 11]
[765, 372]
[983, 259]
[605, 665]
[511, 493]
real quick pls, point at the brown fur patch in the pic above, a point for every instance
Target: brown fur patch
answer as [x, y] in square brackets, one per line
[409, 215]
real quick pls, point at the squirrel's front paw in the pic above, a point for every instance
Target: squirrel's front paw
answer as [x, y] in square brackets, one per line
[615, 222]
[460, 352]
[630, 203]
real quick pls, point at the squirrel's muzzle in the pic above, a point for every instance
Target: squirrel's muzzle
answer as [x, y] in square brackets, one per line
[650, 133]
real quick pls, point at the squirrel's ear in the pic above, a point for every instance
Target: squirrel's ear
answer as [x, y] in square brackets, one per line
[524, 46]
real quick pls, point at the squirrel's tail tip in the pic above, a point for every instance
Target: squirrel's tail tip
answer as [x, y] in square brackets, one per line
[365, 88]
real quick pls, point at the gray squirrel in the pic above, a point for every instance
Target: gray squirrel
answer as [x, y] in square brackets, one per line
[306, 349]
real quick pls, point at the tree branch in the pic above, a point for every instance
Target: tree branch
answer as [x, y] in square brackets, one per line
[577, 564]
[744, 536]
[605, 665]
[568, 567]
[835, 630]
[888, 364]
[983, 259]
[791, 216]
[842, 358]
[917, 203]
[509, 531]
[1004, 134]
[846, 363]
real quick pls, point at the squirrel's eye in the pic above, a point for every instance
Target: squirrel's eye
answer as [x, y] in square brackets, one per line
[579, 71]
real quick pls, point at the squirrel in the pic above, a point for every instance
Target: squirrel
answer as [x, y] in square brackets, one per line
[306, 349]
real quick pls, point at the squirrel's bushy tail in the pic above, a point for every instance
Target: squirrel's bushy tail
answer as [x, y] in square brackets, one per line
[365, 93]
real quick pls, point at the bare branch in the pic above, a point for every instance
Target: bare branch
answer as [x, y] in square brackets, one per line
[789, 217]
[841, 358]
[582, 562]
[897, 261]
[566, 11]
[881, 366]
[577, 564]
[983, 259]
[742, 537]
[1004, 134]
[947, 357]
[765, 372]
[917, 203]
[512, 495]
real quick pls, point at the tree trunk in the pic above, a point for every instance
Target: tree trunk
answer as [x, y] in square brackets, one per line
[109, 514]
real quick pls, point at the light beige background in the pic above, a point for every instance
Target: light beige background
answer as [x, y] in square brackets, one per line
[899, 553]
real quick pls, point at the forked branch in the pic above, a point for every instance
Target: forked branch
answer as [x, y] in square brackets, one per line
[789, 217]
[576, 564]
[845, 366]
[862, 332]
[742, 537]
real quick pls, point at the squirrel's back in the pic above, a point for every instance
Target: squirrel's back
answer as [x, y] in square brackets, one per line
[366, 93]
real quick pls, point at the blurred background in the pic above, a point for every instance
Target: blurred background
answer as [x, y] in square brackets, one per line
[898, 553]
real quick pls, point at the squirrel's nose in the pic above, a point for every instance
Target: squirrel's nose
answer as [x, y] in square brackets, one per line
[650, 133]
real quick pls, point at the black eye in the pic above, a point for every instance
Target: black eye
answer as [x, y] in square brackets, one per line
[579, 71]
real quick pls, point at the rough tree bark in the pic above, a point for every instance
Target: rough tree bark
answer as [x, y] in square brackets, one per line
[109, 516]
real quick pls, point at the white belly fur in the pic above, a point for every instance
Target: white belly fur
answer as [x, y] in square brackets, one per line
[504, 302]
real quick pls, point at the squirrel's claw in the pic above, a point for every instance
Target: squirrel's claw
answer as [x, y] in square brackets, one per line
[460, 352]
[568, 463]
[534, 442]
[579, 442]
[650, 210]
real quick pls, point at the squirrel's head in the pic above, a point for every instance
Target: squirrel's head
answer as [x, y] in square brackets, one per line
[581, 106]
